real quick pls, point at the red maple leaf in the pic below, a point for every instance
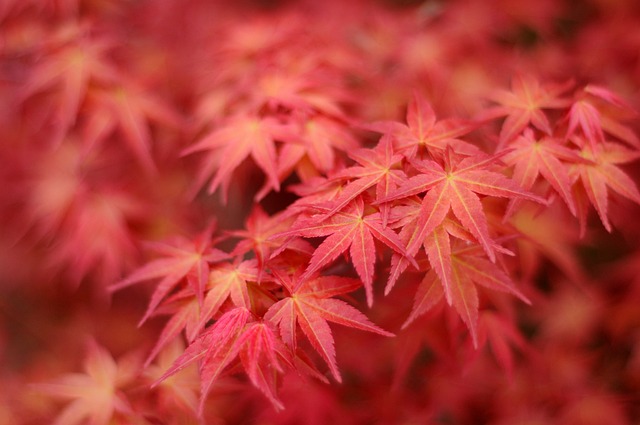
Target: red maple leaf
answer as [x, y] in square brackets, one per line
[96, 396]
[236, 333]
[229, 144]
[185, 315]
[310, 144]
[95, 237]
[228, 280]
[75, 61]
[188, 313]
[468, 266]
[257, 239]
[424, 133]
[598, 111]
[295, 84]
[215, 348]
[180, 392]
[524, 105]
[501, 333]
[377, 167]
[545, 234]
[533, 157]
[184, 258]
[455, 186]
[348, 229]
[131, 110]
[601, 172]
[310, 305]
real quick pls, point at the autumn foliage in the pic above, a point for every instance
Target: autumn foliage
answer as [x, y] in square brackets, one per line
[297, 212]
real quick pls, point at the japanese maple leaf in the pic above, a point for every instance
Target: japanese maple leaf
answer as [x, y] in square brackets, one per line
[179, 391]
[95, 237]
[89, 225]
[424, 133]
[545, 234]
[257, 237]
[610, 117]
[131, 110]
[305, 89]
[455, 186]
[228, 280]
[378, 167]
[55, 185]
[228, 145]
[524, 104]
[601, 173]
[348, 229]
[317, 137]
[261, 353]
[404, 216]
[217, 346]
[501, 333]
[184, 310]
[70, 68]
[96, 395]
[587, 114]
[468, 266]
[235, 334]
[310, 305]
[183, 258]
[533, 157]
[321, 136]
[437, 246]
[311, 142]
[234, 281]
[317, 191]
